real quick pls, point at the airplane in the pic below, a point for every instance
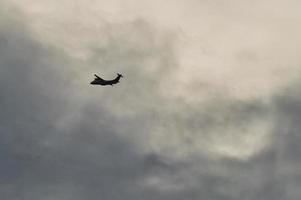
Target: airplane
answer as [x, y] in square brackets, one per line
[100, 81]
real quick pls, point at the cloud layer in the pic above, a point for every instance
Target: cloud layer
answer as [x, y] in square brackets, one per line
[206, 110]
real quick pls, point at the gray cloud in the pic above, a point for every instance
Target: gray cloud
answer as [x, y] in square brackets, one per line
[59, 142]
[39, 161]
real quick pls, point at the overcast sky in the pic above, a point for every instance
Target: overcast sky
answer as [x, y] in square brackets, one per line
[209, 106]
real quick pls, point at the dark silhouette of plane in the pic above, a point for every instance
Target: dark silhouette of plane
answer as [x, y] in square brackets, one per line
[100, 81]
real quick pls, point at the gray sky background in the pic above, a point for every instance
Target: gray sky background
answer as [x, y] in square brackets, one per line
[209, 106]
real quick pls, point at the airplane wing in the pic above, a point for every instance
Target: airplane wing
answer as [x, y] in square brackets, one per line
[97, 77]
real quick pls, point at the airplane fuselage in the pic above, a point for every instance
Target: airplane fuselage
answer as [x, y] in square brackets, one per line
[102, 82]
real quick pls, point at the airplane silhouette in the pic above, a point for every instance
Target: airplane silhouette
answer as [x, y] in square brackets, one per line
[100, 81]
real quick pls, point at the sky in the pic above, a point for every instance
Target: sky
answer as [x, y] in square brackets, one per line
[208, 108]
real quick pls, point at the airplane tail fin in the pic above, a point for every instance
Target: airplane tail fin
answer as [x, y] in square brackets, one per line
[120, 75]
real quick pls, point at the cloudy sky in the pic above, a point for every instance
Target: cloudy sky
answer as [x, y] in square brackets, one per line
[209, 106]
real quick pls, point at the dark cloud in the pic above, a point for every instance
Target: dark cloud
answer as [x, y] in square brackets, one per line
[55, 145]
[38, 160]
